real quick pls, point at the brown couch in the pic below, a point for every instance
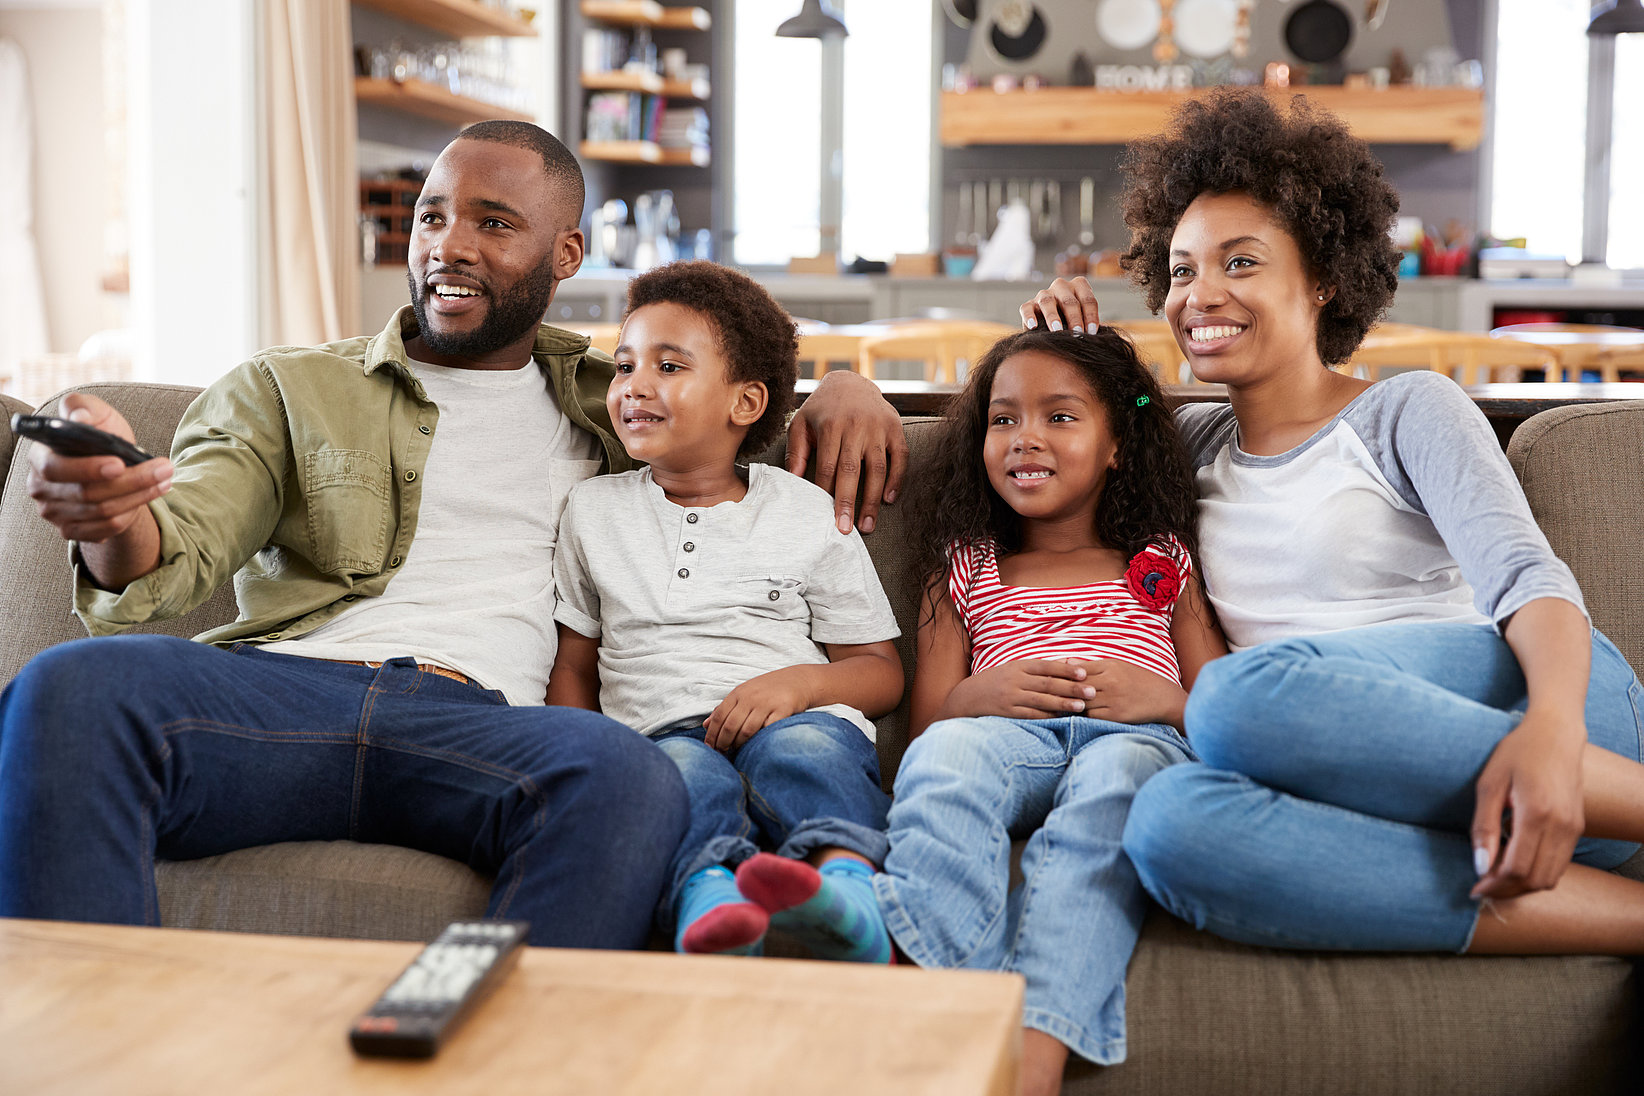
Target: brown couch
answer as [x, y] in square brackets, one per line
[1205, 1015]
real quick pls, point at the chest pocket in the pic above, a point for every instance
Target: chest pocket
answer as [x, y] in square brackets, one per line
[347, 495]
[773, 597]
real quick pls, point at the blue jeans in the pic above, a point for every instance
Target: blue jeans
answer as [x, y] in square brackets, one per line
[806, 782]
[1334, 804]
[116, 750]
[965, 789]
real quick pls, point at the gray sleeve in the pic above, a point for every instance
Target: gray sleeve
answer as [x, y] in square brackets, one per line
[848, 603]
[1439, 453]
[576, 599]
[1206, 428]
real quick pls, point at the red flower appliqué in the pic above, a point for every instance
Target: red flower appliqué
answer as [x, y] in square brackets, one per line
[1154, 579]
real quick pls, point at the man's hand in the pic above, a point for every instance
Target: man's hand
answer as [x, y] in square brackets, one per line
[756, 704]
[1029, 689]
[91, 499]
[853, 431]
[1128, 693]
[1534, 773]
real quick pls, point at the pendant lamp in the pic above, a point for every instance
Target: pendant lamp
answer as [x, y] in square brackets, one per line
[1621, 17]
[817, 20]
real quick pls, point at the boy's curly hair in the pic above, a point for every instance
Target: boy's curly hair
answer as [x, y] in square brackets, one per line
[1148, 496]
[1323, 183]
[756, 335]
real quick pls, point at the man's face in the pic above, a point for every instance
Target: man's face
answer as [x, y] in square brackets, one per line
[490, 240]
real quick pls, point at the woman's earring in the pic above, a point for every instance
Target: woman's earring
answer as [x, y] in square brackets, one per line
[1321, 296]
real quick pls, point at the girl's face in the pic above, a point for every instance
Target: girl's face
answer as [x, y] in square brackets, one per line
[1048, 446]
[1242, 303]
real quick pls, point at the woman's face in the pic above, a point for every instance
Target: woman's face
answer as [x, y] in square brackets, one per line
[1242, 303]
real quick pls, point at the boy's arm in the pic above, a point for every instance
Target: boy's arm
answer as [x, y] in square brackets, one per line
[864, 676]
[574, 680]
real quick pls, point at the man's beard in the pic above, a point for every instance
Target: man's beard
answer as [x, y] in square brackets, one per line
[519, 309]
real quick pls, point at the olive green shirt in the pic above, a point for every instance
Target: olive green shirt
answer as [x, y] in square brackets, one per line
[299, 474]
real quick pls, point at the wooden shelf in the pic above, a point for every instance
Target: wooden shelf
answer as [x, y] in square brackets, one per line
[685, 89]
[458, 18]
[1085, 116]
[430, 101]
[646, 13]
[643, 152]
[623, 80]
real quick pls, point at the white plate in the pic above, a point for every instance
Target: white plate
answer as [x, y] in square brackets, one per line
[1128, 24]
[1204, 28]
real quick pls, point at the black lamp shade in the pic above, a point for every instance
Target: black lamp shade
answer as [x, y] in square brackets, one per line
[815, 20]
[1621, 17]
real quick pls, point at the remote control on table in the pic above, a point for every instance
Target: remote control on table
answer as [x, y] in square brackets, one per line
[442, 985]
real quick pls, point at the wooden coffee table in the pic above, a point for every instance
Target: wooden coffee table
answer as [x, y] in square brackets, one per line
[100, 1008]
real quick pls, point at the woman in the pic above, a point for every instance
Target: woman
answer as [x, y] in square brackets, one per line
[1418, 722]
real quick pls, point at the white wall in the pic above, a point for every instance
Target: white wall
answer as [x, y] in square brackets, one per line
[194, 150]
[62, 46]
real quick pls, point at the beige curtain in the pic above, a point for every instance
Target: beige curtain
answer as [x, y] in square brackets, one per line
[312, 295]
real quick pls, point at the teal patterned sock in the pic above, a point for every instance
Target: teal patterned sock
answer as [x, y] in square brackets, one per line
[714, 919]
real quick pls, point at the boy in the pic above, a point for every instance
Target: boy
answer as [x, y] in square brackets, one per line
[719, 610]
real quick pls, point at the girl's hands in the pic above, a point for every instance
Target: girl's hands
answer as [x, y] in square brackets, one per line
[756, 704]
[1068, 302]
[1535, 774]
[1029, 689]
[1127, 693]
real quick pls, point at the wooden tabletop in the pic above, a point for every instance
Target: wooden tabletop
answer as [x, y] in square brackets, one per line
[103, 1009]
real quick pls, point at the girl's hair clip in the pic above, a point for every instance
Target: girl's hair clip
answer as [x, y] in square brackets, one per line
[1142, 401]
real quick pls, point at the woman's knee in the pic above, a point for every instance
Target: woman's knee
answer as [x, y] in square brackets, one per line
[1170, 834]
[1231, 709]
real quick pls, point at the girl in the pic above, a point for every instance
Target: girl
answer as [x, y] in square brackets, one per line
[1060, 628]
[1424, 722]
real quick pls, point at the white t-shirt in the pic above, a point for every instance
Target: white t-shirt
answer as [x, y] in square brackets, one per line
[688, 602]
[476, 591]
[1401, 508]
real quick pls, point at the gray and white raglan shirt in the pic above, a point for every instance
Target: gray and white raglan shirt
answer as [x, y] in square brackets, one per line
[1401, 508]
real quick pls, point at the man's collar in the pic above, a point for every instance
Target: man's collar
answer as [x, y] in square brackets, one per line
[388, 347]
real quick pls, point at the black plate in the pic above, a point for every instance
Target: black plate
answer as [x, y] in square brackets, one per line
[1024, 46]
[962, 12]
[1318, 31]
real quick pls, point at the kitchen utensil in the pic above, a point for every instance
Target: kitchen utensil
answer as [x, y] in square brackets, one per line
[996, 199]
[1375, 12]
[1053, 206]
[1318, 31]
[1018, 31]
[979, 210]
[1204, 28]
[962, 222]
[1087, 211]
[1127, 24]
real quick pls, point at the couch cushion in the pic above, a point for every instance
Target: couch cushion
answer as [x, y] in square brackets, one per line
[321, 888]
[9, 406]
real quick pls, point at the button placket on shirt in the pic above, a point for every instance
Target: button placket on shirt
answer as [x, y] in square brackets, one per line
[682, 557]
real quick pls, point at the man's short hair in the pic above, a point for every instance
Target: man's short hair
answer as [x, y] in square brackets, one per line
[562, 167]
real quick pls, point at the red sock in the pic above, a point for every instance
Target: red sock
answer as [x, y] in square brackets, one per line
[723, 928]
[777, 883]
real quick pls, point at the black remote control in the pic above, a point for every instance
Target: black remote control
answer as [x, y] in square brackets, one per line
[442, 985]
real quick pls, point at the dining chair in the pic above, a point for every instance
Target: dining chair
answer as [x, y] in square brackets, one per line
[1606, 348]
[1466, 357]
[1156, 345]
[941, 345]
[601, 336]
[820, 348]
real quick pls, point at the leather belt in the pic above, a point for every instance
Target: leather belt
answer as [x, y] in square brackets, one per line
[425, 667]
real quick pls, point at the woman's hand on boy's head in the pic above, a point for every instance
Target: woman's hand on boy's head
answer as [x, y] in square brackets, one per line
[1068, 302]
[857, 440]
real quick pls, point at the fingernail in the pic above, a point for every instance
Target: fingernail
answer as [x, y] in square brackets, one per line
[165, 485]
[1055, 325]
[1481, 860]
[890, 496]
[867, 525]
[845, 523]
[1089, 692]
[1032, 323]
[1077, 705]
[1078, 329]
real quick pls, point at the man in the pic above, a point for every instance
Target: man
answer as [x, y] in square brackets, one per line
[389, 506]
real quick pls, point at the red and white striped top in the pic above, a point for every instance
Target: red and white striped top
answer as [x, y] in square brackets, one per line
[1063, 623]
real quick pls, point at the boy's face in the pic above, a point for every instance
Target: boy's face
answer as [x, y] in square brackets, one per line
[672, 401]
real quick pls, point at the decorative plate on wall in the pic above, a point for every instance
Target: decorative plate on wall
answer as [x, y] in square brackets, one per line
[962, 12]
[1318, 31]
[1205, 28]
[1128, 24]
[1019, 30]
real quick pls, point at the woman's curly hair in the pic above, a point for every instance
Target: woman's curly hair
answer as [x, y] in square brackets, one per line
[1324, 185]
[756, 334]
[1148, 496]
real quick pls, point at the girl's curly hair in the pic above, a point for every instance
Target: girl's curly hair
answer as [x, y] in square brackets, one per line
[1324, 185]
[1147, 497]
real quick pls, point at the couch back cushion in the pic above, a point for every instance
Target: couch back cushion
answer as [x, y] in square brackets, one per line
[38, 591]
[1582, 468]
[9, 406]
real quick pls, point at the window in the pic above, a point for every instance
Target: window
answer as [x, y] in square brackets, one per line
[878, 84]
[1549, 77]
